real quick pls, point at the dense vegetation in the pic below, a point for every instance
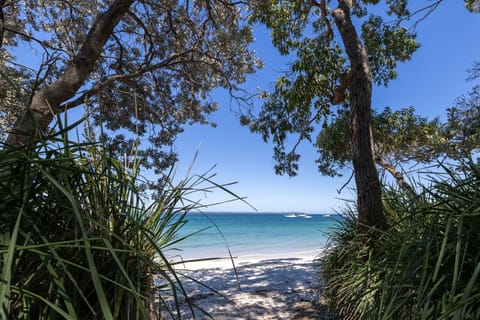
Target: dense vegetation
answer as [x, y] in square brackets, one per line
[138, 66]
[342, 50]
[78, 239]
[425, 266]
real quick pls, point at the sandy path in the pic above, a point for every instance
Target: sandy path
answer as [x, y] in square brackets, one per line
[278, 288]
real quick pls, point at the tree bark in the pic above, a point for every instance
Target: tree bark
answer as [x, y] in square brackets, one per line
[369, 195]
[46, 102]
[2, 22]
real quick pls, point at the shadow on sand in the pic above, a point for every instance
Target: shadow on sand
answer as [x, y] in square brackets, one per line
[269, 289]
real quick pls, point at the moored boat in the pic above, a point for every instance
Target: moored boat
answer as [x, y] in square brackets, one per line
[303, 215]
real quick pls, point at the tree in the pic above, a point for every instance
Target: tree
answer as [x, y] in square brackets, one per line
[145, 67]
[400, 136]
[12, 94]
[335, 65]
[332, 70]
[462, 129]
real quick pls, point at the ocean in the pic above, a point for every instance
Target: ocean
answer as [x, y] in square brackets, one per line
[251, 235]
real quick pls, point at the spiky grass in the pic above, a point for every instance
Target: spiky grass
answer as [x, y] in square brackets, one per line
[78, 240]
[425, 267]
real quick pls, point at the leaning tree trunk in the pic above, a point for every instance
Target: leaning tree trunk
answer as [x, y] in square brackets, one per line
[369, 196]
[45, 104]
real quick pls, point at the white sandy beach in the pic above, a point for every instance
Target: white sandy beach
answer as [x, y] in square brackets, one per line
[266, 287]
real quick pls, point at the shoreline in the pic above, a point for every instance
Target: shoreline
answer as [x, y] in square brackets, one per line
[225, 263]
[274, 286]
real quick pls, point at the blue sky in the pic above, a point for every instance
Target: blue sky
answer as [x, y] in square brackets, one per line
[430, 82]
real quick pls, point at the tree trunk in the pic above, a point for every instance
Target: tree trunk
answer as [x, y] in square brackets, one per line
[2, 22]
[369, 194]
[34, 122]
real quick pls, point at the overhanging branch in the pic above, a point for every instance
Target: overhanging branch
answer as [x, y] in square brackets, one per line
[38, 116]
[120, 77]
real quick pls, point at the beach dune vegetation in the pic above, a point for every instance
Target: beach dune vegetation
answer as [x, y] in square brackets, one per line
[427, 266]
[80, 240]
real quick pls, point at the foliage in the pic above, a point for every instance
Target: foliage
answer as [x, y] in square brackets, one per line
[78, 240]
[399, 136]
[12, 94]
[305, 97]
[309, 101]
[427, 266]
[146, 67]
[463, 123]
[473, 5]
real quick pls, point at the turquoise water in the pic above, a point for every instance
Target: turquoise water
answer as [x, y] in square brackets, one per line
[253, 234]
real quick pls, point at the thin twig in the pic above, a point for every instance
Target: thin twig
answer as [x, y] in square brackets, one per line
[339, 191]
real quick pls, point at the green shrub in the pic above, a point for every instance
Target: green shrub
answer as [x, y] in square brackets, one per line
[77, 239]
[426, 266]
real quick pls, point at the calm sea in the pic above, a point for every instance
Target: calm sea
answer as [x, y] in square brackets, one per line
[254, 234]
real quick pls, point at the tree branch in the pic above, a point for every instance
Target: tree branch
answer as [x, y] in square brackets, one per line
[324, 15]
[339, 191]
[119, 77]
[44, 44]
[37, 118]
[338, 96]
[397, 175]
[429, 9]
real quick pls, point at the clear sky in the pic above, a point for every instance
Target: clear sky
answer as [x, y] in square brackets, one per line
[430, 82]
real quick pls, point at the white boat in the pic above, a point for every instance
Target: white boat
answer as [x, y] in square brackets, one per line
[303, 215]
[291, 215]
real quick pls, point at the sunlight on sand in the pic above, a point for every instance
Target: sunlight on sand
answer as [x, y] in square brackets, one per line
[267, 287]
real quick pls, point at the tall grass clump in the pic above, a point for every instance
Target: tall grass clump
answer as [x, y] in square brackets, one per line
[78, 239]
[426, 266]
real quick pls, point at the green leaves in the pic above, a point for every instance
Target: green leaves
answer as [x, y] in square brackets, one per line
[462, 128]
[386, 46]
[472, 6]
[154, 75]
[306, 96]
[399, 136]
[286, 20]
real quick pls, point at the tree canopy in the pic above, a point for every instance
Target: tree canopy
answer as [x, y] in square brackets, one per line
[335, 65]
[315, 87]
[462, 128]
[399, 136]
[338, 60]
[145, 67]
[311, 100]
[402, 136]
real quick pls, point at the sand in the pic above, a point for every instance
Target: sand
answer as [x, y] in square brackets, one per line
[266, 287]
